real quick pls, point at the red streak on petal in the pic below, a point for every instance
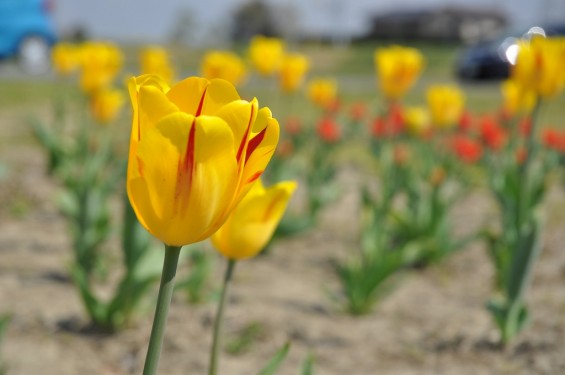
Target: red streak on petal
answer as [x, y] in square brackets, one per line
[186, 164]
[245, 136]
[254, 143]
[139, 165]
[201, 104]
[254, 177]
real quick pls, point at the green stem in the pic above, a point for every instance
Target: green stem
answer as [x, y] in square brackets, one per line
[162, 309]
[524, 170]
[213, 370]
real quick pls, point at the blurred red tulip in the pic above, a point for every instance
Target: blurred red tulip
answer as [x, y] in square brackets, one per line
[553, 139]
[328, 130]
[357, 111]
[525, 126]
[492, 134]
[467, 149]
[293, 126]
[466, 122]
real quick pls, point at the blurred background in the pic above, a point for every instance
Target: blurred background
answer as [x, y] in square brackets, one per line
[29, 27]
[215, 21]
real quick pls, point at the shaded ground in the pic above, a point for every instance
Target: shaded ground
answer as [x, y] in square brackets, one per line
[433, 323]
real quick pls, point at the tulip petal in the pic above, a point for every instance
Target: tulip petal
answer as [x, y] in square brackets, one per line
[134, 85]
[154, 105]
[261, 147]
[185, 214]
[214, 178]
[198, 96]
[240, 115]
[253, 222]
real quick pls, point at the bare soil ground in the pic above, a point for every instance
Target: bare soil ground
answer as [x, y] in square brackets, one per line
[433, 323]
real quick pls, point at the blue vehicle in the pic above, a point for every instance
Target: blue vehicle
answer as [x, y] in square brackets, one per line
[27, 33]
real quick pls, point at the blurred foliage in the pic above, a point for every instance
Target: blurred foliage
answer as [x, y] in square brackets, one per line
[4, 321]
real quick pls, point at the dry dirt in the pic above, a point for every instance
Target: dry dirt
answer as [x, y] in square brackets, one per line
[434, 322]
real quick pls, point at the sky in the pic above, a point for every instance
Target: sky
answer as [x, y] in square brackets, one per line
[154, 20]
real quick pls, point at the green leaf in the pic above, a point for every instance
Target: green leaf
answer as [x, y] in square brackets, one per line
[308, 365]
[126, 301]
[244, 339]
[523, 260]
[4, 321]
[275, 362]
[95, 308]
[499, 312]
[68, 204]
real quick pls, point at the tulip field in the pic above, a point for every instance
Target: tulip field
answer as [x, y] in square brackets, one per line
[282, 208]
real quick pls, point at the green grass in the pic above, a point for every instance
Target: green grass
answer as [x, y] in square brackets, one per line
[353, 66]
[26, 91]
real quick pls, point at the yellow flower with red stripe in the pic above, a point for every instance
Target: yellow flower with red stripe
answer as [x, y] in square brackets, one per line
[196, 149]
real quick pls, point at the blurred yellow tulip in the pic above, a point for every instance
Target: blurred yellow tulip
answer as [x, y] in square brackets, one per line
[266, 54]
[397, 68]
[539, 66]
[293, 69]
[65, 58]
[224, 65]
[516, 99]
[195, 151]
[417, 120]
[446, 105]
[100, 64]
[106, 104]
[253, 222]
[155, 60]
[322, 92]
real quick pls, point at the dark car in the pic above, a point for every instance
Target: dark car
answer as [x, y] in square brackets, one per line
[492, 59]
[27, 33]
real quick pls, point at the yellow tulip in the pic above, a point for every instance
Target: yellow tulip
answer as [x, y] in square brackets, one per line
[106, 104]
[155, 60]
[224, 65]
[195, 151]
[516, 98]
[397, 69]
[293, 69]
[539, 66]
[446, 105]
[266, 54]
[100, 63]
[417, 120]
[253, 222]
[322, 92]
[65, 58]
